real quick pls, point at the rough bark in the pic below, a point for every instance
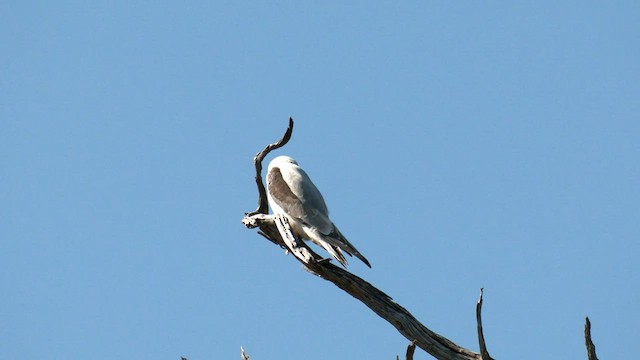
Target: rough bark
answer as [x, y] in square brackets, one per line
[410, 350]
[379, 302]
[483, 347]
[276, 228]
[591, 348]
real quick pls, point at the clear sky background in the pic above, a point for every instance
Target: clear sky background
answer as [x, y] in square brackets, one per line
[458, 145]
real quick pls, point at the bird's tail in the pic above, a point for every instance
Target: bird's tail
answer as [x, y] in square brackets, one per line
[334, 251]
[336, 238]
[361, 257]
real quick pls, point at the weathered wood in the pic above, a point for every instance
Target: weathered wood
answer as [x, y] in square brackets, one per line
[379, 302]
[263, 203]
[591, 348]
[410, 350]
[244, 354]
[483, 347]
[278, 231]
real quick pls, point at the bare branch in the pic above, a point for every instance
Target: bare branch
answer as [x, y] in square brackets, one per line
[483, 347]
[263, 205]
[278, 231]
[591, 348]
[244, 354]
[410, 350]
[381, 303]
[276, 228]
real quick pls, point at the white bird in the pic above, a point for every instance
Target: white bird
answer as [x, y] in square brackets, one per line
[293, 194]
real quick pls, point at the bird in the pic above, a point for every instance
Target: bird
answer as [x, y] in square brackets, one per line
[292, 193]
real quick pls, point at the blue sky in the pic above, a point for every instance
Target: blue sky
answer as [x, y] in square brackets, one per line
[458, 145]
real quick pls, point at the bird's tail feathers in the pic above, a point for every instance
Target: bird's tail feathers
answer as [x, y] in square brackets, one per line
[334, 251]
[338, 240]
[364, 259]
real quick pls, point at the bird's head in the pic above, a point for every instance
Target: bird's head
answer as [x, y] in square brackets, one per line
[282, 160]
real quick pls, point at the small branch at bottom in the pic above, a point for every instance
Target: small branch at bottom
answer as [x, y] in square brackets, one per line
[410, 350]
[483, 346]
[591, 348]
[244, 354]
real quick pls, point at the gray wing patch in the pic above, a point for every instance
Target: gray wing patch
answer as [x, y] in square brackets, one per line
[316, 213]
[299, 198]
[310, 195]
[282, 194]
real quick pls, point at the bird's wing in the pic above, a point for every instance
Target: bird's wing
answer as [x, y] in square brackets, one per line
[292, 190]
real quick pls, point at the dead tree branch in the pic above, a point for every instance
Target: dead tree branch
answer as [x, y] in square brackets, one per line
[410, 350]
[379, 302]
[244, 354]
[263, 205]
[277, 230]
[483, 347]
[591, 348]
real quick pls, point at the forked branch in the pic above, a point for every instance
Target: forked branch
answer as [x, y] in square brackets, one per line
[278, 230]
[379, 302]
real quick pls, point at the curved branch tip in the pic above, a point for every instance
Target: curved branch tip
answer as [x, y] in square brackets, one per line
[591, 347]
[484, 353]
[263, 205]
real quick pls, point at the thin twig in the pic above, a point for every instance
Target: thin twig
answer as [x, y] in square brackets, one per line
[591, 348]
[483, 347]
[244, 354]
[263, 205]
